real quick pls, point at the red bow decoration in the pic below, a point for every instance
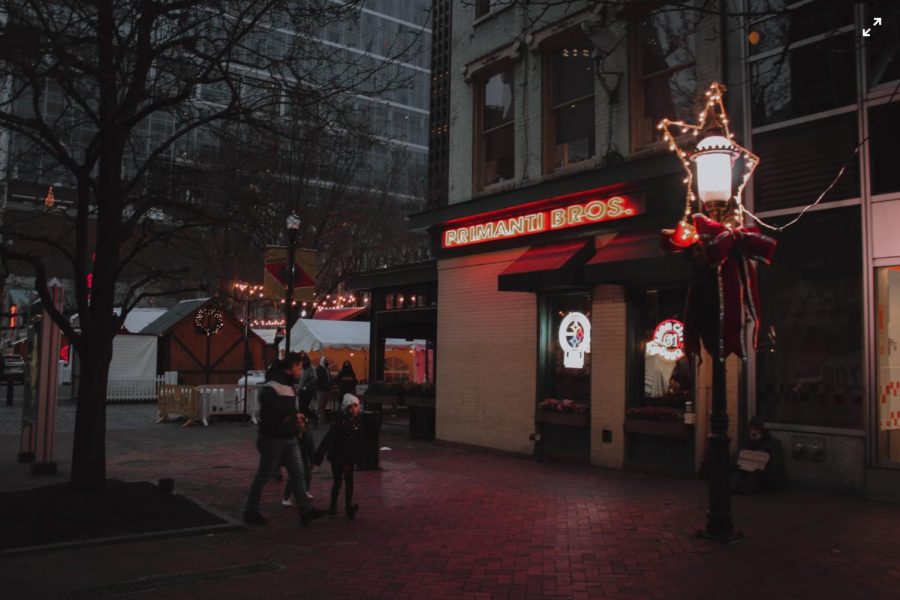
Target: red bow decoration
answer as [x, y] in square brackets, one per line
[723, 297]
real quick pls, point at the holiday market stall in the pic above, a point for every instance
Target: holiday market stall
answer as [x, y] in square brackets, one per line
[204, 343]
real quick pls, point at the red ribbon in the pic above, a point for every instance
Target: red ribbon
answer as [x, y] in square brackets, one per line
[723, 297]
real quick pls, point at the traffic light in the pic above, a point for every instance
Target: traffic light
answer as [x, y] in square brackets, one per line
[13, 316]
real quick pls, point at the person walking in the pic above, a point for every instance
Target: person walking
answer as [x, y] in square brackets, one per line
[346, 379]
[343, 445]
[307, 387]
[323, 388]
[276, 440]
[307, 452]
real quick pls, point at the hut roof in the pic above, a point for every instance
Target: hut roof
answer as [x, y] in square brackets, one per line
[174, 316]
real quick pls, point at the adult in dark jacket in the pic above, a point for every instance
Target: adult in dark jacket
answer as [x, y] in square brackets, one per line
[307, 444]
[323, 388]
[343, 444]
[346, 379]
[307, 387]
[759, 463]
[276, 440]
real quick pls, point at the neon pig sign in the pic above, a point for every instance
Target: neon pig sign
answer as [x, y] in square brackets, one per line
[588, 210]
[575, 339]
[668, 340]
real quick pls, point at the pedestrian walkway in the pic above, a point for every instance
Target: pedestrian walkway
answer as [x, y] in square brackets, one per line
[118, 416]
[442, 522]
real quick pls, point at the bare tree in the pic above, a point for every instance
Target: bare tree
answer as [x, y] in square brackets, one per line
[117, 96]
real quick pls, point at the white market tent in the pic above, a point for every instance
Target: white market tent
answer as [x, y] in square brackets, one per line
[267, 335]
[138, 318]
[313, 335]
[349, 341]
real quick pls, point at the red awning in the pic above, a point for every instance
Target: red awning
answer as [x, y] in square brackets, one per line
[542, 267]
[635, 257]
[338, 314]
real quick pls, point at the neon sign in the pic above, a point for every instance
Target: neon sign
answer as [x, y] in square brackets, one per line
[668, 340]
[587, 212]
[575, 339]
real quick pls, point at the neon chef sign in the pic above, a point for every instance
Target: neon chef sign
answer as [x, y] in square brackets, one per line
[586, 210]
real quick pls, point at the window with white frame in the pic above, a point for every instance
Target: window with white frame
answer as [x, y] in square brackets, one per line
[494, 129]
[665, 67]
[569, 133]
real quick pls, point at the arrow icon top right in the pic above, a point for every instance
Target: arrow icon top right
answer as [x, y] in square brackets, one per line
[876, 21]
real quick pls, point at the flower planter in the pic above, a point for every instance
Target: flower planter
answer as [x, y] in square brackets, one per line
[380, 400]
[676, 429]
[419, 401]
[564, 418]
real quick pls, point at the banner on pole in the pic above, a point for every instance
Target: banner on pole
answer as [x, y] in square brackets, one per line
[275, 275]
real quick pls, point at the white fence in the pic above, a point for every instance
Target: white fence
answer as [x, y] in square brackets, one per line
[227, 399]
[132, 389]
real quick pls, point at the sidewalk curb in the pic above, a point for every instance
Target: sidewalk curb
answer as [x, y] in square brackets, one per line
[231, 524]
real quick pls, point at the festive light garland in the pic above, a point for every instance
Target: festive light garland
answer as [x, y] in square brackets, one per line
[209, 321]
[713, 115]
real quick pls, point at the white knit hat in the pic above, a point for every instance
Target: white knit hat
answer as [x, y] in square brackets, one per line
[349, 400]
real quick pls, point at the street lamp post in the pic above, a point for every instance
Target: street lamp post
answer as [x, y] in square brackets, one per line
[293, 227]
[723, 296]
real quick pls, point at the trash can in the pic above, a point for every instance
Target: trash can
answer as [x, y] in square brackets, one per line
[371, 422]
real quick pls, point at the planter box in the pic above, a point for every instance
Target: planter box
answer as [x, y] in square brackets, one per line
[676, 429]
[379, 399]
[420, 401]
[564, 418]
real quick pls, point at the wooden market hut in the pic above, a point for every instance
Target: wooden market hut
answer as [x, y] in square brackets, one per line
[204, 343]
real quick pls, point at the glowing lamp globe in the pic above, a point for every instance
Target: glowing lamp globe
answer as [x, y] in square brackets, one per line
[714, 158]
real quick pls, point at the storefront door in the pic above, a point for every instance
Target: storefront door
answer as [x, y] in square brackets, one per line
[887, 364]
[661, 384]
[564, 375]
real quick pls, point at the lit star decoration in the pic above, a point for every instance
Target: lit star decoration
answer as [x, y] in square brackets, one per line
[713, 116]
[723, 297]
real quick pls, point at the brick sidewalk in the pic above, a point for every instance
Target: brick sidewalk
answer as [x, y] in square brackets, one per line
[448, 523]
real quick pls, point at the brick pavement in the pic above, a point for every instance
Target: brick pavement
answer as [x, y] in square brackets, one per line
[438, 522]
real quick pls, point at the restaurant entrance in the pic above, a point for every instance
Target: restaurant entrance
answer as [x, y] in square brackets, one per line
[564, 375]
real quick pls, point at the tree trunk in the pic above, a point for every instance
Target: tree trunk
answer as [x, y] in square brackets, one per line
[89, 447]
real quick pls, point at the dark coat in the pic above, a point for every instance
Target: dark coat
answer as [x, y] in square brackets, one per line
[307, 448]
[347, 381]
[323, 379]
[343, 444]
[278, 407]
[772, 476]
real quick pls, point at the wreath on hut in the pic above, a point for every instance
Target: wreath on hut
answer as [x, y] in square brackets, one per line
[209, 321]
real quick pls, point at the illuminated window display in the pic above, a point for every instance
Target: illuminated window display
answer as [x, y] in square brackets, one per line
[887, 362]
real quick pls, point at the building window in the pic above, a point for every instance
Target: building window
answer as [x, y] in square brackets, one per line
[389, 302]
[569, 134]
[661, 381]
[665, 61]
[395, 369]
[881, 49]
[809, 364]
[887, 357]
[495, 135]
[817, 71]
[884, 130]
[482, 7]
[800, 161]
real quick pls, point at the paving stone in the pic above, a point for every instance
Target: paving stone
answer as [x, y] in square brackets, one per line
[441, 523]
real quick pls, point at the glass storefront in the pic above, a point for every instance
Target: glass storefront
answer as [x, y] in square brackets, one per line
[810, 358]
[661, 384]
[887, 363]
[564, 375]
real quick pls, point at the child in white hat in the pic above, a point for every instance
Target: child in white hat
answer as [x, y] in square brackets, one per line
[343, 445]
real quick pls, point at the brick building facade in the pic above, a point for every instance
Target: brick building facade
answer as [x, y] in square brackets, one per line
[557, 108]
